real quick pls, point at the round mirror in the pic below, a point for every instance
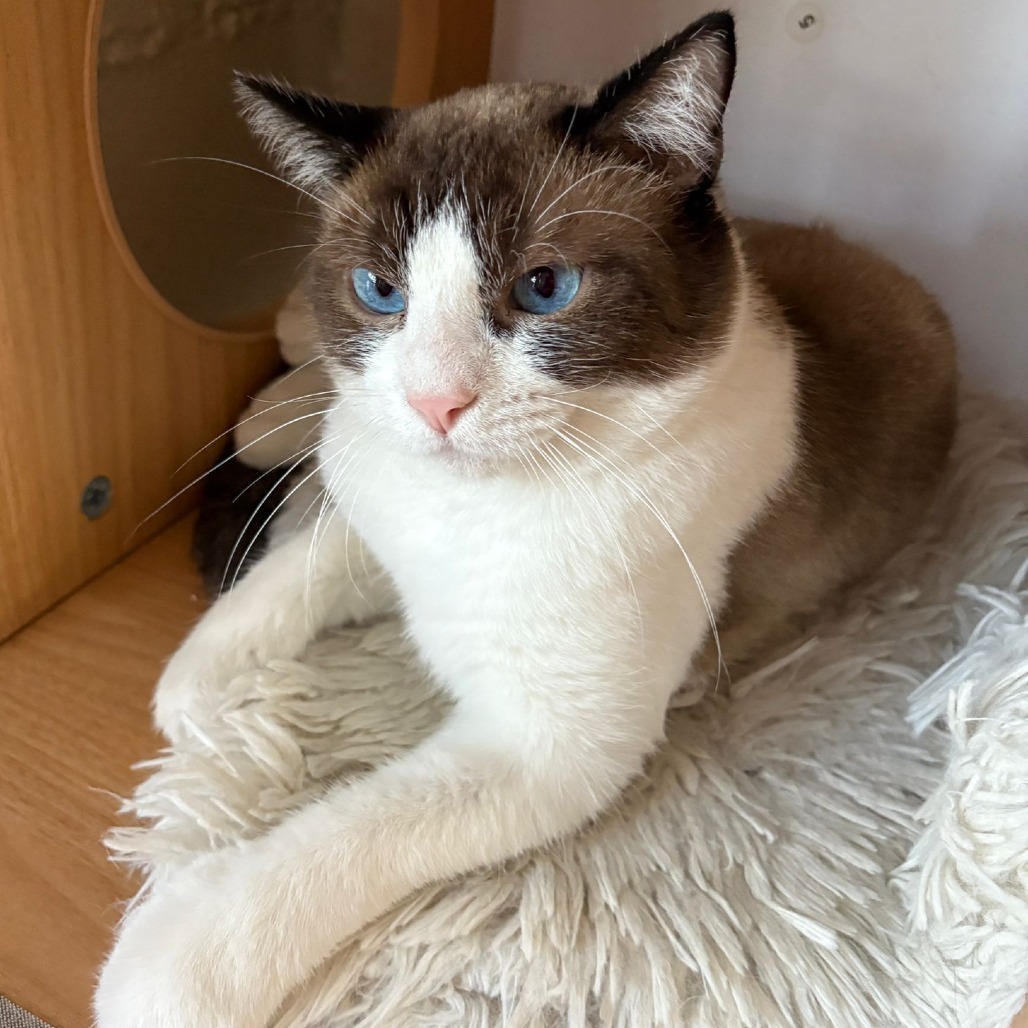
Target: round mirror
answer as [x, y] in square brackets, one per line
[212, 232]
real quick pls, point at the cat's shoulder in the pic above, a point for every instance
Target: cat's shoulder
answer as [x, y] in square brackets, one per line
[875, 359]
[844, 297]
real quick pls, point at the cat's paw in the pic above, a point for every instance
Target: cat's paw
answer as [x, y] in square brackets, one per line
[191, 688]
[162, 975]
[242, 632]
[185, 959]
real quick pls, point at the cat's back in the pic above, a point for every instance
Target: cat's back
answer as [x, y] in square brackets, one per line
[875, 357]
[876, 392]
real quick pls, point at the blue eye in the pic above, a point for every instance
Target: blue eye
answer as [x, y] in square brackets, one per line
[378, 295]
[546, 290]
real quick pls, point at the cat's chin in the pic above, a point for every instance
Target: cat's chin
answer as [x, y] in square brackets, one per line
[471, 463]
[468, 459]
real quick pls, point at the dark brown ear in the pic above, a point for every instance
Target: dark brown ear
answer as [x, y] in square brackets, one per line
[668, 107]
[312, 139]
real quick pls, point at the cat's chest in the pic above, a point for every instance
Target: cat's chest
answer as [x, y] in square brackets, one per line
[477, 541]
[410, 520]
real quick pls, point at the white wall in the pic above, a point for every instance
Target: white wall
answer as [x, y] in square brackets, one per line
[903, 122]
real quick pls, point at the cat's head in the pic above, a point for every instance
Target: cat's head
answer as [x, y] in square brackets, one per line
[493, 263]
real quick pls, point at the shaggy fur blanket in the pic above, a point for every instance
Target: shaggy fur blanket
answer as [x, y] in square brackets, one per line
[842, 841]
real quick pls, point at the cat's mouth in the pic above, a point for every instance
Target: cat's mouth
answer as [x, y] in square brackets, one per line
[472, 454]
[464, 455]
[492, 437]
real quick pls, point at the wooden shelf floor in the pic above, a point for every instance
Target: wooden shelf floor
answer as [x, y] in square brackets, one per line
[75, 690]
[74, 716]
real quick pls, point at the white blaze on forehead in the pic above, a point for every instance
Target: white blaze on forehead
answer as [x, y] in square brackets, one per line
[444, 330]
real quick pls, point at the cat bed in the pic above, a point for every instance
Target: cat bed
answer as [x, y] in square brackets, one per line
[843, 841]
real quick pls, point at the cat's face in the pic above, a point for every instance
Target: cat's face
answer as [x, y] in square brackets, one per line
[491, 264]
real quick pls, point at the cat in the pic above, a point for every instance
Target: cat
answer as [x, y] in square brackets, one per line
[580, 416]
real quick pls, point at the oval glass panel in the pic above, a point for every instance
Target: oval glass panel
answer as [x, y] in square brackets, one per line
[217, 237]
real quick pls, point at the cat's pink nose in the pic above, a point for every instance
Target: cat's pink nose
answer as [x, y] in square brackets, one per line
[441, 412]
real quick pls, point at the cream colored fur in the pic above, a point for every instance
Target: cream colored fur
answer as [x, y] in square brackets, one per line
[752, 875]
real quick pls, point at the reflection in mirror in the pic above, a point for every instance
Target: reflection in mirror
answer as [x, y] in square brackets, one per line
[219, 242]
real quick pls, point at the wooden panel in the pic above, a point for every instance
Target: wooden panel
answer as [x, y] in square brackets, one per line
[444, 46]
[75, 693]
[94, 377]
[97, 374]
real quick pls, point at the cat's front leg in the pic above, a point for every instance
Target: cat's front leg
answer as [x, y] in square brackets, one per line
[224, 944]
[314, 578]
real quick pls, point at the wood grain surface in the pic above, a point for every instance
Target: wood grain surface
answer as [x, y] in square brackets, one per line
[444, 46]
[94, 377]
[75, 691]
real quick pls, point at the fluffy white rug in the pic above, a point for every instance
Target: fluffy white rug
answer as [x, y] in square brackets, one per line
[822, 849]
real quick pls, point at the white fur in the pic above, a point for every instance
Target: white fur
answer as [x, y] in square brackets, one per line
[745, 879]
[681, 111]
[442, 348]
[308, 161]
[558, 603]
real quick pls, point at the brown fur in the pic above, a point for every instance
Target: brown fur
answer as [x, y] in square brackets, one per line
[659, 267]
[877, 390]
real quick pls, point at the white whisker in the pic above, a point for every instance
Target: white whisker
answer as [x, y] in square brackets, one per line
[252, 517]
[661, 518]
[613, 214]
[553, 165]
[330, 503]
[582, 489]
[260, 171]
[603, 169]
[221, 463]
[613, 421]
[270, 406]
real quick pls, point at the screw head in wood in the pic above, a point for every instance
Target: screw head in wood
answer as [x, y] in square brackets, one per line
[97, 497]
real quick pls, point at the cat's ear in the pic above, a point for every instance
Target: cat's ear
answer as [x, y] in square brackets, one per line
[668, 107]
[314, 141]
